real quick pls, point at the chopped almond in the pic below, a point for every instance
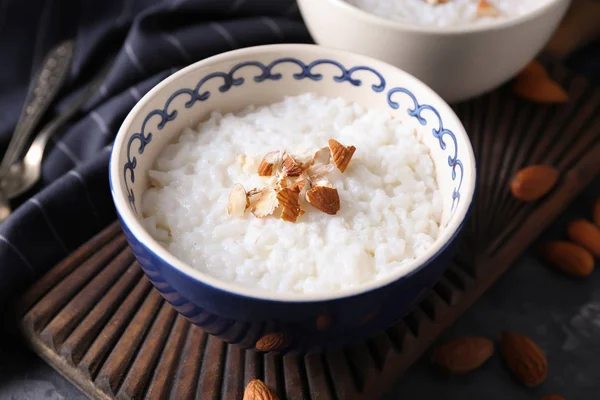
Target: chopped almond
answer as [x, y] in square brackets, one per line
[238, 201]
[435, 2]
[319, 170]
[299, 185]
[485, 9]
[322, 156]
[321, 164]
[281, 180]
[324, 198]
[289, 176]
[266, 204]
[289, 199]
[341, 154]
[291, 167]
[270, 160]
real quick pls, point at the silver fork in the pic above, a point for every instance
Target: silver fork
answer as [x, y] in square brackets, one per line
[29, 170]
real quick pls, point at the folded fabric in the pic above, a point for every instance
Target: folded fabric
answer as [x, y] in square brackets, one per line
[150, 39]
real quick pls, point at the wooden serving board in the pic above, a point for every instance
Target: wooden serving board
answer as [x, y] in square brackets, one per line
[98, 321]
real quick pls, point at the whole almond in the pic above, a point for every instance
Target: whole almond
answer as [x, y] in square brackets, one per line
[257, 390]
[552, 397]
[533, 182]
[463, 354]
[533, 83]
[596, 212]
[569, 258]
[546, 91]
[272, 342]
[585, 234]
[524, 358]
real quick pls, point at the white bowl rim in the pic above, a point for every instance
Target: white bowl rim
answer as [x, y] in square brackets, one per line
[137, 229]
[446, 30]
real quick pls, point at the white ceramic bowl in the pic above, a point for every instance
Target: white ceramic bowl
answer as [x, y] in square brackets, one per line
[262, 75]
[457, 62]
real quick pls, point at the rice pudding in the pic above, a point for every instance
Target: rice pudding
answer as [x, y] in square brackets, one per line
[389, 206]
[448, 12]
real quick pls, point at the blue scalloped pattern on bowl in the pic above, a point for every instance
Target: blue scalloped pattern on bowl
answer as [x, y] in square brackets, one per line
[144, 136]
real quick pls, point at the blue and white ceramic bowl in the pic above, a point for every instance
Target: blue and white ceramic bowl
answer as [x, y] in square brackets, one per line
[261, 75]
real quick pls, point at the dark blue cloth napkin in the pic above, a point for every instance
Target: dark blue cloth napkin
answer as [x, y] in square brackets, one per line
[150, 40]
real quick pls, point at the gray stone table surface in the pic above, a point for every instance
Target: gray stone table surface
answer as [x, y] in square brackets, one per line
[560, 313]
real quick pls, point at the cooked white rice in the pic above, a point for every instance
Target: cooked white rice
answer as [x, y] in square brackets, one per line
[390, 203]
[451, 13]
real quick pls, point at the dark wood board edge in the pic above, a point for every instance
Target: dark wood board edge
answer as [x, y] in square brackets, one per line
[60, 365]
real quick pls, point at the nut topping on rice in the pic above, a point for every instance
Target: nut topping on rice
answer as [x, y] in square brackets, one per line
[320, 194]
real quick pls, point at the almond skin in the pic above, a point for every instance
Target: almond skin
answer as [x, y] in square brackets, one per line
[585, 234]
[534, 70]
[291, 167]
[568, 257]
[299, 185]
[533, 182]
[533, 83]
[265, 168]
[524, 358]
[596, 212]
[324, 198]
[464, 354]
[552, 397]
[288, 198]
[272, 342]
[257, 390]
[541, 91]
[341, 154]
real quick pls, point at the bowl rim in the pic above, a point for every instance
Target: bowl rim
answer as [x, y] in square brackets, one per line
[446, 30]
[136, 228]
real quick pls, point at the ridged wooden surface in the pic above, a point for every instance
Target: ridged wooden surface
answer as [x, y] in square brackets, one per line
[97, 319]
